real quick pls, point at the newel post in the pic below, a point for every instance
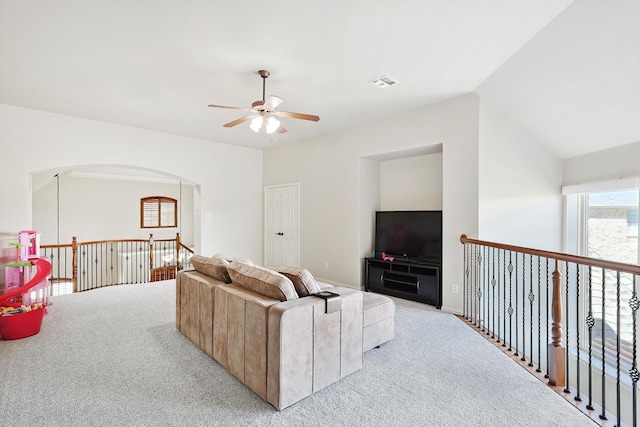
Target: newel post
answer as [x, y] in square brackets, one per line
[557, 352]
[74, 263]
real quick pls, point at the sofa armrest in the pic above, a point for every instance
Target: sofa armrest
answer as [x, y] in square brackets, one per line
[309, 349]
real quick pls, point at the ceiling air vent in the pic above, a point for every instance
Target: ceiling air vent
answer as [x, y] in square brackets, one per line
[384, 81]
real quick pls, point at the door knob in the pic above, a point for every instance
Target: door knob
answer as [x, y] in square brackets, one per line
[279, 234]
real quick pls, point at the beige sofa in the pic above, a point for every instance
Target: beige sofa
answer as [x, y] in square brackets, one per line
[268, 329]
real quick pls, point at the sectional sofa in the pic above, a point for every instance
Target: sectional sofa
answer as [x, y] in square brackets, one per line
[279, 331]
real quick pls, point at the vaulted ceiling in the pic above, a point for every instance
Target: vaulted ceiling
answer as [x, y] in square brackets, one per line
[567, 72]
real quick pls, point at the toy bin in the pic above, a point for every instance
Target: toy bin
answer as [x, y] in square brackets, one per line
[22, 325]
[27, 317]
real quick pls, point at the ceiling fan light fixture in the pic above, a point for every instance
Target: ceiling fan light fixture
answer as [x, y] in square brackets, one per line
[256, 124]
[272, 124]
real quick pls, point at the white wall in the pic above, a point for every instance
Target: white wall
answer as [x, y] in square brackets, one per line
[411, 183]
[105, 209]
[607, 165]
[369, 204]
[520, 183]
[229, 217]
[329, 170]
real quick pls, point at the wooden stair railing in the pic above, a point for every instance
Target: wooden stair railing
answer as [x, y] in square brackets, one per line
[94, 264]
[490, 269]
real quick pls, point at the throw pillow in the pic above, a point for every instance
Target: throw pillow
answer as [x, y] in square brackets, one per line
[302, 279]
[262, 280]
[213, 267]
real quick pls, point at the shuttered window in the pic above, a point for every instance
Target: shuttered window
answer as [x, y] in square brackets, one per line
[158, 212]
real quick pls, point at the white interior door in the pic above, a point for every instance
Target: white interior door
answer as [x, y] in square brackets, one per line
[282, 225]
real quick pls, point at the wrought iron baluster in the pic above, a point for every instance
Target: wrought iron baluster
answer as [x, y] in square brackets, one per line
[531, 299]
[83, 268]
[465, 280]
[577, 396]
[618, 412]
[524, 310]
[566, 323]
[516, 301]
[634, 303]
[504, 298]
[603, 415]
[498, 300]
[539, 320]
[485, 292]
[590, 323]
[493, 292]
[472, 283]
[510, 304]
[479, 294]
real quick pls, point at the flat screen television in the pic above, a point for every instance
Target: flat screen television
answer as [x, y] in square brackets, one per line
[412, 235]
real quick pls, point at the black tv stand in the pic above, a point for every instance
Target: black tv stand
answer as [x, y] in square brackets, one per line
[417, 280]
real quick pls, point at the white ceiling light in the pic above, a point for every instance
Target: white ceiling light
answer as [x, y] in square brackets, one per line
[256, 124]
[271, 124]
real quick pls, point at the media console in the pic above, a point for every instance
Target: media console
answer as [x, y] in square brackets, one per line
[413, 280]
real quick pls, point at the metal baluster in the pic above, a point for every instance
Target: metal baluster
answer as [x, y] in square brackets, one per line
[524, 311]
[498, 266]
[493, 292]
[465, 279]
[590, 323]
[84, 267]
[472, 282]
[603, 415]
[479, 294]
[634, 303]
[618, 412]
[485, 291]
[504, 298]
[531, 299]
[539, 319]
[510, 268]
[516, 299]
[566, 341]
[577, 396]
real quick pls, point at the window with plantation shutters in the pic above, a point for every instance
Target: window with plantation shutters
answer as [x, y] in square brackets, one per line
[158, 212]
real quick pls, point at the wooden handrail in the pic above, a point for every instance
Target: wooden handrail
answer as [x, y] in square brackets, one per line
[577, 259]
[150, 242]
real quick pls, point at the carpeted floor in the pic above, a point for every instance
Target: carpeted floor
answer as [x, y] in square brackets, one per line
[112, 356]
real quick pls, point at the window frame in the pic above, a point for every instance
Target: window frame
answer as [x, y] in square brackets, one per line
[576, 240]
[159, 200]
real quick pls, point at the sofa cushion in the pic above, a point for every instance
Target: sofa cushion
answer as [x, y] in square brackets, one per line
[302, 280]
[234, 258]
[262, 280]
[215, 267]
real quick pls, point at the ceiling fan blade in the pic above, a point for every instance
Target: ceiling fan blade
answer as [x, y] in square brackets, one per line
[238, 121]
[281, 129]
[226, 106]
[272, 102]
[297, 115]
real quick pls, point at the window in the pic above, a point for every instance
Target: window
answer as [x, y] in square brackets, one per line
[603, 223]
[158, 212]
[612, 225]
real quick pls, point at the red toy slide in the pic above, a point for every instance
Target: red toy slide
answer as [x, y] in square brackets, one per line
[21, 325]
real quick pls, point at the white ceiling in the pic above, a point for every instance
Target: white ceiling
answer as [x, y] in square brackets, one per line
[566, 72]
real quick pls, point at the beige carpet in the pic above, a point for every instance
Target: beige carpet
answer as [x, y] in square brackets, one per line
[112, 356]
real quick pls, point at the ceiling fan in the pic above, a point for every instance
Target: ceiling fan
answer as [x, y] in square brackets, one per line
[264, 112]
